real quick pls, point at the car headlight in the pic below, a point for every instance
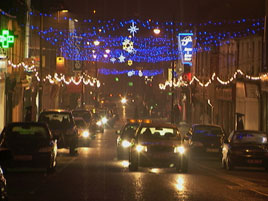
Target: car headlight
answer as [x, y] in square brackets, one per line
[141, 148]
[85, 134]
[126, 144]
[179, 149]
[104, 120]
[99, 123]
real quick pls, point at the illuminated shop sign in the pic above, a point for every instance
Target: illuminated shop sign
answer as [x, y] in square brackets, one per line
[6, 38]
[186, 47]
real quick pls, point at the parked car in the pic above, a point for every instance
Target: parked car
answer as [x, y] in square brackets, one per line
[84, 135]
[206, 138]
[157, 145]
[3, 186]
[245, 148]
[63, 128]
[27, 144]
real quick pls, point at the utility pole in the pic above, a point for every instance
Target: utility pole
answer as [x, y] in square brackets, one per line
[27, 29]
[40, 101]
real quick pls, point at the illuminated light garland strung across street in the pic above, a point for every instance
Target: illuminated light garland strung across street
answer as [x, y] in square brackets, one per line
[149, 49]
[27, 68]
[147, 73]
[181, 83]
[86, 79]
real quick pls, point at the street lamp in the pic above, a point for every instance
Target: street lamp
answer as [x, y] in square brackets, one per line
[157, 31]
[96, 43]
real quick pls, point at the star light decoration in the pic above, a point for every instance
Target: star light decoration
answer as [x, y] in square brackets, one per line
[133, 29]
[121, 58]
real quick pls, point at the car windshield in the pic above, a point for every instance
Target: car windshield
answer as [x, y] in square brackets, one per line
[84, 114]
[129, 130]
[250, 137]
[56, 120]
[208, 131]
[158, 133]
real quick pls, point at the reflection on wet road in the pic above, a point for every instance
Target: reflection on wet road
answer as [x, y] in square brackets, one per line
[96, 175]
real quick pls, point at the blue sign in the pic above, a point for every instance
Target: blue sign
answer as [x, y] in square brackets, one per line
[186, 47]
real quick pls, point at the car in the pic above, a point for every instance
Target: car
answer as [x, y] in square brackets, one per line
[124, 137]
[98, 123]
[157, 145]
[84, 135]
[83, 113]
[27, 144]
[63, 128]
[205, 138]
[3, 186]
[245, 148]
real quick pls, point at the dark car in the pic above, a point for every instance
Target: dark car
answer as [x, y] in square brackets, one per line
[123, 141]
[245, 148]
[157, 145]
[63, 128]
[83, 113]
[98, 123]
[27, 144]
[3, 186]
[206, 138]
[84, 135]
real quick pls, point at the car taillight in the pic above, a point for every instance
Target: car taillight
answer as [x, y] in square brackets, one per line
[44, 149]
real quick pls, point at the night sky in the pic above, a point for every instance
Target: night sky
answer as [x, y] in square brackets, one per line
[187, 10]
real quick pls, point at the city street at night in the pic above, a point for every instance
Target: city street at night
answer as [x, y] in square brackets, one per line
[96, 174]
[133, 100]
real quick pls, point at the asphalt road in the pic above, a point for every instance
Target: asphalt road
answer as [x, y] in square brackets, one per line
[95, 174]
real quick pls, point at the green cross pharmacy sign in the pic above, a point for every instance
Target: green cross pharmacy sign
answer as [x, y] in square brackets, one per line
[6, 39]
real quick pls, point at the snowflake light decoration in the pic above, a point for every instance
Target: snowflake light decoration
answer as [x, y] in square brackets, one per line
[121, 58]
[128, 46]
[133, 29]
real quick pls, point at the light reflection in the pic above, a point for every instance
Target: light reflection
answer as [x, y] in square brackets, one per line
[180, 183]
[125, 164]
[154, 170]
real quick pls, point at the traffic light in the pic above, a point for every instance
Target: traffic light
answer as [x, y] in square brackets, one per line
[116, 79]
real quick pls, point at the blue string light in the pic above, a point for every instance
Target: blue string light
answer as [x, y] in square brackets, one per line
[148, 49]
[133, 72]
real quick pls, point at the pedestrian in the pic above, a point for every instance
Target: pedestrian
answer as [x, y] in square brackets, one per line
[28, 115]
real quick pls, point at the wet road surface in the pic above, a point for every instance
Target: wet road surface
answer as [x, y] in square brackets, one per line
[95, 174]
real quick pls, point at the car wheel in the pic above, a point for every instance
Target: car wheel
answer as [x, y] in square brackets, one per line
[183, 165]
[223, 163]
[133, 163]
[3, 193]
[52, 166]
[119, 156]
[229, 164]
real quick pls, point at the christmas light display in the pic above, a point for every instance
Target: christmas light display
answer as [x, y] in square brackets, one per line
[180, 81]
[133, 29]
[149, 48]
[27, 68]
[131, 72]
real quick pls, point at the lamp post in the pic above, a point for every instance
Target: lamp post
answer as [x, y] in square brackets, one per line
[96, 43]
[40, 90]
